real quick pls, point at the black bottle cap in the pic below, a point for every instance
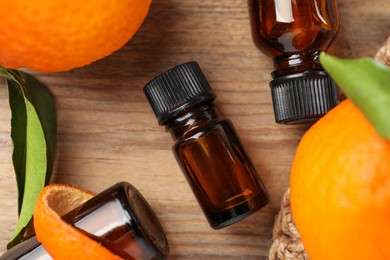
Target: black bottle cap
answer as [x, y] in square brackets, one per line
[303, 97]
[177, 89]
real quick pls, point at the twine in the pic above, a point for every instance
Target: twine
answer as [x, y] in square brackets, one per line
[287, 244]
[383, 55]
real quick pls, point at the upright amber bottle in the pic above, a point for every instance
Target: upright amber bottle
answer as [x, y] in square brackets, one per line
[293, 32]
[207, 146]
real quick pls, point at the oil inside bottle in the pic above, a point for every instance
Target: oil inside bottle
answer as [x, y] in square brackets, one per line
[217, 168]
[311, 25]
[119, 218]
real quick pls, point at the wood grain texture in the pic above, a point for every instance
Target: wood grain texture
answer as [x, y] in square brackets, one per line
[107, 131]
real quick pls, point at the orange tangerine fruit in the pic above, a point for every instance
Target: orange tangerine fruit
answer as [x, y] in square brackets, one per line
[60, 239]
[340, 188]
[60, 35]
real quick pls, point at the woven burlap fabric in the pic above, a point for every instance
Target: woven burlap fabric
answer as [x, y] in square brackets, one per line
[287, 244]
[287, 241]
[383, 55]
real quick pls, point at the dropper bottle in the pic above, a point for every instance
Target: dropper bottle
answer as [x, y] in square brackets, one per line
[293, 33]
[207, 146]
[119, 218]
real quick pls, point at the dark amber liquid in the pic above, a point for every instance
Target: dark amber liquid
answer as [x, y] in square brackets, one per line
[107, 219]
[303, 26]
[217, 167]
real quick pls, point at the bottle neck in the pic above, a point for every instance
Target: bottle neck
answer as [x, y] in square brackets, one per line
[296, 63]
[195, 118]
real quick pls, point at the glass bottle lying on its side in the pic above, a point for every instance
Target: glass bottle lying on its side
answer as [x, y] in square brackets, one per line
[119, 218]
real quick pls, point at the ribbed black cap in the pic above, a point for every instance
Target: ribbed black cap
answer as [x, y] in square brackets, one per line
[303, 97]
[177, 89]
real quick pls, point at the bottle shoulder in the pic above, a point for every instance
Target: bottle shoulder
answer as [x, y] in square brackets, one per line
[220, 125]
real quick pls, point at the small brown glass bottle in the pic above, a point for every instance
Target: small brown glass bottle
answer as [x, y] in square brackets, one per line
[207, 146]
[293, 33]
[119, 218]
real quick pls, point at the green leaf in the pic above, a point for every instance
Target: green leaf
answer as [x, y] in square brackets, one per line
[33, 133]
[366, 82]
[18, 135]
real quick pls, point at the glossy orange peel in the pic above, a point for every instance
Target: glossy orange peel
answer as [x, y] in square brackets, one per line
[60, 239]
[51, 36]
[340, 188]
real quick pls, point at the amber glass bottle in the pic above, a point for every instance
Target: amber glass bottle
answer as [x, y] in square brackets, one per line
[293, 33]
[119, 218]
[207, 146]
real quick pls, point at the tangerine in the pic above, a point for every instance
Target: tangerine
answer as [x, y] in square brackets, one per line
[340, 188]
[59, 35]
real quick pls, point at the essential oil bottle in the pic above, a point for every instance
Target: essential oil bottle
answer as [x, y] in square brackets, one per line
[207, 147]
[119, 218]
[293, 33]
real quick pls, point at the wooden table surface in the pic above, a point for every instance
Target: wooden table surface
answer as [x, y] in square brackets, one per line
[107, 131]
